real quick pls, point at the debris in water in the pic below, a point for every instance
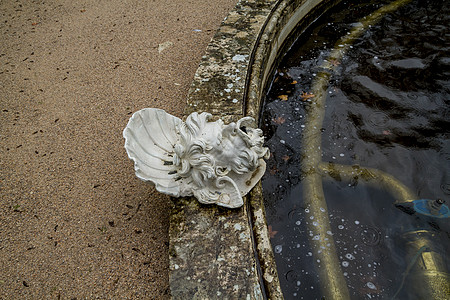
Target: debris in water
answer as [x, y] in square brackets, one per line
[305, 96]
[283, 97]
[272, 233]
[279, 120]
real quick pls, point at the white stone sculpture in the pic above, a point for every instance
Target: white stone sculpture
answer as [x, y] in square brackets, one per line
[214, 162]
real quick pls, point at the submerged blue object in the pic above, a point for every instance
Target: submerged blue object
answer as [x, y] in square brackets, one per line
[431, 208]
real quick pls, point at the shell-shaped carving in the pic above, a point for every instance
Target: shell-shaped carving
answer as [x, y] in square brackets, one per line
[150, 137]
[216, 163]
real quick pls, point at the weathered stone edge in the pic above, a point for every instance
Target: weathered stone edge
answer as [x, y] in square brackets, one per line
[219, 83]
[211, 251]
[229, 83]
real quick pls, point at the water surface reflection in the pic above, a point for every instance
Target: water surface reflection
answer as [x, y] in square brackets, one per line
[387, 108]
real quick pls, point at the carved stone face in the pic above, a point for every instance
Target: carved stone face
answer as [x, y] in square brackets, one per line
[221, 158]
[224, 144]
[216, 163]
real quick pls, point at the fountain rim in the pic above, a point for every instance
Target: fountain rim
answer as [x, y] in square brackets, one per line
[249, 41]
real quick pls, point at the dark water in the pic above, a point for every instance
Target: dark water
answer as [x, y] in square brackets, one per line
[387, 108]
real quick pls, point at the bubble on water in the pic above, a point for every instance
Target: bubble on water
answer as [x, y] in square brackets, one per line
[312, 217]
[318, 261]
[345, 264]
[356, 222]
[329, 232]
[309, 253]
[341, 226]
[316, 237]
[349, 256]
[278, 249]
[371, 286]
[282, 141]
[345, 274]
[306, 210]
[341, 155]
[298, 222]
[315, 223]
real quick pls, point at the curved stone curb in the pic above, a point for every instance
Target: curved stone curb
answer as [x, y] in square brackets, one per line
[211, 250]
[219, 83]
[218, 253]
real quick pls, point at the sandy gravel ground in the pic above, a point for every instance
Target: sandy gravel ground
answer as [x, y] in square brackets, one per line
[75, 222]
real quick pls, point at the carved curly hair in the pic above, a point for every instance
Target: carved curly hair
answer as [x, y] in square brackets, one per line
[195, 154]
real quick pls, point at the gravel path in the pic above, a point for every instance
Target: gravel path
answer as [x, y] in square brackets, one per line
[75, 222]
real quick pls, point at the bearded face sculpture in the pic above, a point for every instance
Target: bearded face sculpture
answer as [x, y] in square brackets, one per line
[214, 162]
